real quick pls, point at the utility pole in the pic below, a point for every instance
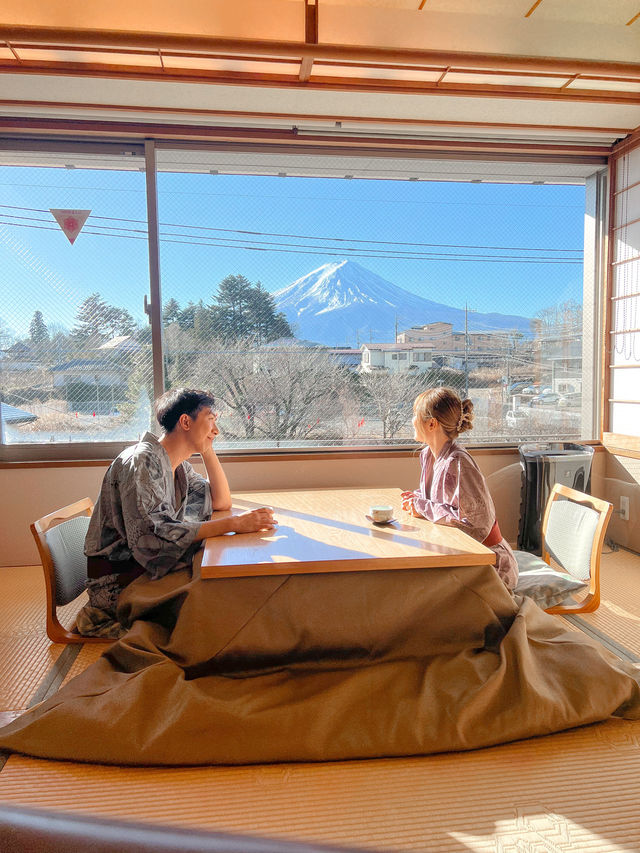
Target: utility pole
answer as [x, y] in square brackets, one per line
[466, 351]
[508, 384]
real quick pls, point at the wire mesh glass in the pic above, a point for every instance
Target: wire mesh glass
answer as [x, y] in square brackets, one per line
[75, 352]
[315, 297]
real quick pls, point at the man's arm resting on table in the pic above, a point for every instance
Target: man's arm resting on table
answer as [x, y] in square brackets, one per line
[246, 522]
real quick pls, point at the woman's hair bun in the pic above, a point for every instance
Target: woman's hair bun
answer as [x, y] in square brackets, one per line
[466, 420]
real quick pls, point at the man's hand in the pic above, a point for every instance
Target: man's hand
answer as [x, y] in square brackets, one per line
[252, 521]
[207, 445]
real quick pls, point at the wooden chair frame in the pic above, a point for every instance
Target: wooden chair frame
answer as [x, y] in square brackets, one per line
[56, 632]
[604, 509]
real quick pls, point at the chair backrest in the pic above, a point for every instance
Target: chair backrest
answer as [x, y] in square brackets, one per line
[60, 540]
[66, 546]
[573, 530]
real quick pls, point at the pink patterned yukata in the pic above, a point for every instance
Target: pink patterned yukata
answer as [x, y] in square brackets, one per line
[453, 491]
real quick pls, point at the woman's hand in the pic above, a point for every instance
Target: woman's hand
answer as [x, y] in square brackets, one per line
[252, 521]
[408, 505]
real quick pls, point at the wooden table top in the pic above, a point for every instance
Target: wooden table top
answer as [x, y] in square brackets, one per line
[326, 530]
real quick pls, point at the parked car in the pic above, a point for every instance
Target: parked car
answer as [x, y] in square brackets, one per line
[517, 418]
[572, 400]
[546, 398]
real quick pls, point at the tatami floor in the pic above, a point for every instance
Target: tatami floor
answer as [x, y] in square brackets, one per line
[573, 791]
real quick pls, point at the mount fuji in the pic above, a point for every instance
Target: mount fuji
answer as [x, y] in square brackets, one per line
[343, 303]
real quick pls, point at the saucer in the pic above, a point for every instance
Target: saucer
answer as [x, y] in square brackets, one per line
[380, 523]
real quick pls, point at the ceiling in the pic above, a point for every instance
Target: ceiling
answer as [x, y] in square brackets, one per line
[552, 75]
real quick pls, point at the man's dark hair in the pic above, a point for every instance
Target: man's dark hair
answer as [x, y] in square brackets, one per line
[180, 401]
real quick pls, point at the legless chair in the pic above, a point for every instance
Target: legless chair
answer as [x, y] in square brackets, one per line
[573, 530]
[60, 540]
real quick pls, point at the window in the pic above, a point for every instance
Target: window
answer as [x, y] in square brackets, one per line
[274, 269]
[75, 361]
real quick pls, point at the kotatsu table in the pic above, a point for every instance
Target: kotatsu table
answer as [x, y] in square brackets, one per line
[326, 639]
[326, 530]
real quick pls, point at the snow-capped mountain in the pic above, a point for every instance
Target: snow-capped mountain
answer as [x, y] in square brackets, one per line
[344, 303]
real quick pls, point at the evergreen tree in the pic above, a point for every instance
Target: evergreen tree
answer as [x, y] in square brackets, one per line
[118, 321]
[267, 323]
[230, 316]
[96, 318]
[186, 316]
[170, 312]
[90, 317]
[203, 323]
[38, 331]
[245, 310]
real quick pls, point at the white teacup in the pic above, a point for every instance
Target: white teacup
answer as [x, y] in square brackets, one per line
[381, 513]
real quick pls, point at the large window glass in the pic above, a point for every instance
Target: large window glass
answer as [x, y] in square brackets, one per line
[316, 307]
[75, 360]
[315, 296]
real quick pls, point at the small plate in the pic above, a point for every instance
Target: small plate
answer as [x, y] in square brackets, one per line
[380, 523]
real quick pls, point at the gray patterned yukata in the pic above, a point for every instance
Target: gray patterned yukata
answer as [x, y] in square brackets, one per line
[453, 491]
[146, 513]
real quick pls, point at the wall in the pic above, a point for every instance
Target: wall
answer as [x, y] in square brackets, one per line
[28, 493]
[623, 478]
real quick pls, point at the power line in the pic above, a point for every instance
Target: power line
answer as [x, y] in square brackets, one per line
[301, 236]
[303, 249]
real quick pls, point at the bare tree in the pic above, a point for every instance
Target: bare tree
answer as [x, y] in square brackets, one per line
[279, 394]
[391, 395]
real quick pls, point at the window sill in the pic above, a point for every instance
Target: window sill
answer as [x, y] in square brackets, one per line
[288, 456]
[622, 445]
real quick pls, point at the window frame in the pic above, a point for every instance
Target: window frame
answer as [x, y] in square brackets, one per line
[75, 453]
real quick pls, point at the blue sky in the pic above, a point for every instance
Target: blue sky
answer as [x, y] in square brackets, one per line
[40, 269]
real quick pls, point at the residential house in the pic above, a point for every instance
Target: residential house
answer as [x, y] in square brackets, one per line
[396, 358]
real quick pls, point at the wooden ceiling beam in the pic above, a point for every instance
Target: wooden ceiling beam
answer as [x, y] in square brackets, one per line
[337, 84]
[310, 37]
[305, 69]
[294, 51]
[335, 63]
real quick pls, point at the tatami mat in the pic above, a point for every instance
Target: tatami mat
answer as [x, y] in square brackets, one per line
[26, 653]
[88, 654]
[576, 790]
[619, 613]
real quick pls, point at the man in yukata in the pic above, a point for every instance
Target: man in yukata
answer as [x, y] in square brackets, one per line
[154, 510]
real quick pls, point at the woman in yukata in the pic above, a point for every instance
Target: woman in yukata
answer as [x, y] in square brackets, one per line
[452, 489]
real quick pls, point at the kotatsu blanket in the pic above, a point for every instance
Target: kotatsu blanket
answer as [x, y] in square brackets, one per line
[325, 666]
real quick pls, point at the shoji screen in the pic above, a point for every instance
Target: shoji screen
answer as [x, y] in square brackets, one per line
[624, 336]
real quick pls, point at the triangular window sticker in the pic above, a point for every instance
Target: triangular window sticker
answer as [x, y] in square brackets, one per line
[71, 221]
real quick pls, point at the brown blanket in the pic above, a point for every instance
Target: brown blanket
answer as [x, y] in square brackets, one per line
[325, 666]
